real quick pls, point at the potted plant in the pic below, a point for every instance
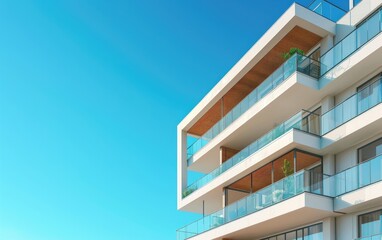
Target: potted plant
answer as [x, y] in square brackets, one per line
[291, 52]
[188, 191]
[291, 65]
[287, 170]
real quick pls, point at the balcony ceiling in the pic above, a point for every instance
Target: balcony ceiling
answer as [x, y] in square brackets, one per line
[297, 37]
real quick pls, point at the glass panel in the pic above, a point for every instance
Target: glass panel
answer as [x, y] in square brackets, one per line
[351, 179]
[376, 169]
[326, 10]
[315, 232]
[299, 234]
[373, 26]
[366, 98]
[364, 174]
[370, 224]
[370, 151]
[356, 39]
[281, 237]
[349, 44]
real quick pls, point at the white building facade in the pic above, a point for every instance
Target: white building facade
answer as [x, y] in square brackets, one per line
[290, 145]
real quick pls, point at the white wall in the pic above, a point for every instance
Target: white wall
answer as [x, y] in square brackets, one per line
[355, 16]
[348, 157]
[347, 225]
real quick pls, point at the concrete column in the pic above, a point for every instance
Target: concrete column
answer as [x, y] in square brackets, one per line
[329, 164]
[327, 122]
[225, 200]
[181, 162]
[329, 228]
[327, 43]
[327, 103]
[329, 168]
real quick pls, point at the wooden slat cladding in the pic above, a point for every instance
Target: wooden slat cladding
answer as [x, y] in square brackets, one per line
[297, 37]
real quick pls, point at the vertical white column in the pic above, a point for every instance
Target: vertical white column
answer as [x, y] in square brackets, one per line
[329, 228]
[329, 168]
[329, 164]
[326, 61]
[326, 43]
[327, 121]
[181, 162]
[351, 4]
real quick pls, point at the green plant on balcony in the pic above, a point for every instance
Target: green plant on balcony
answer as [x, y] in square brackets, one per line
[288, 170]
[291, 52]
[188, 191]
[290, 64]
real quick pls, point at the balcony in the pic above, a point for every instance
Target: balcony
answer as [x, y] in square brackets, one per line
[297, 62]
[327, 10]
[341, 186]
[280, 191]
[289, 31]
[352, 107]
[305, 121]
[358, 187]
[349, 45]
[354, 178]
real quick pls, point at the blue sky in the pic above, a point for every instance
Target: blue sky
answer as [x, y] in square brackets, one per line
[91, 93]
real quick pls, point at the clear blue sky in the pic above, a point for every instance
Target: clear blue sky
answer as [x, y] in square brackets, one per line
[91, 93]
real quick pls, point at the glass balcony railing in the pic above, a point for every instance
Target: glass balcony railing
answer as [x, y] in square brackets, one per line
[279, 191]
[374, 237]
[303, 120]
[352, 42]
[345, 111]
[360, 102]
[295, 63]
[354, 178]
[327, 10]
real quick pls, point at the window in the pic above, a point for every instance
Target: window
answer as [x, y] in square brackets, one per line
[369, 94]
[370, 224]
[370, 151]
[313, 232]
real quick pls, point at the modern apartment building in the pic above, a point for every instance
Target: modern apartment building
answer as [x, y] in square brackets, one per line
[290, 147]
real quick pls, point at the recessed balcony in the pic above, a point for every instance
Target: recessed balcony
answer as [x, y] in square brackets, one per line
[284, 199]
[307, 191]
[258, 64]
[297, 63]
[304, 121]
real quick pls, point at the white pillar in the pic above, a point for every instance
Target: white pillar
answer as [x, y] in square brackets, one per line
[327, 121]
[329, 228]
[329, 164]
[181, 162]
[327, 43]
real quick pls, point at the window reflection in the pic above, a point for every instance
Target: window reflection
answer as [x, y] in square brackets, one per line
[313, 232]
[370, 224]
